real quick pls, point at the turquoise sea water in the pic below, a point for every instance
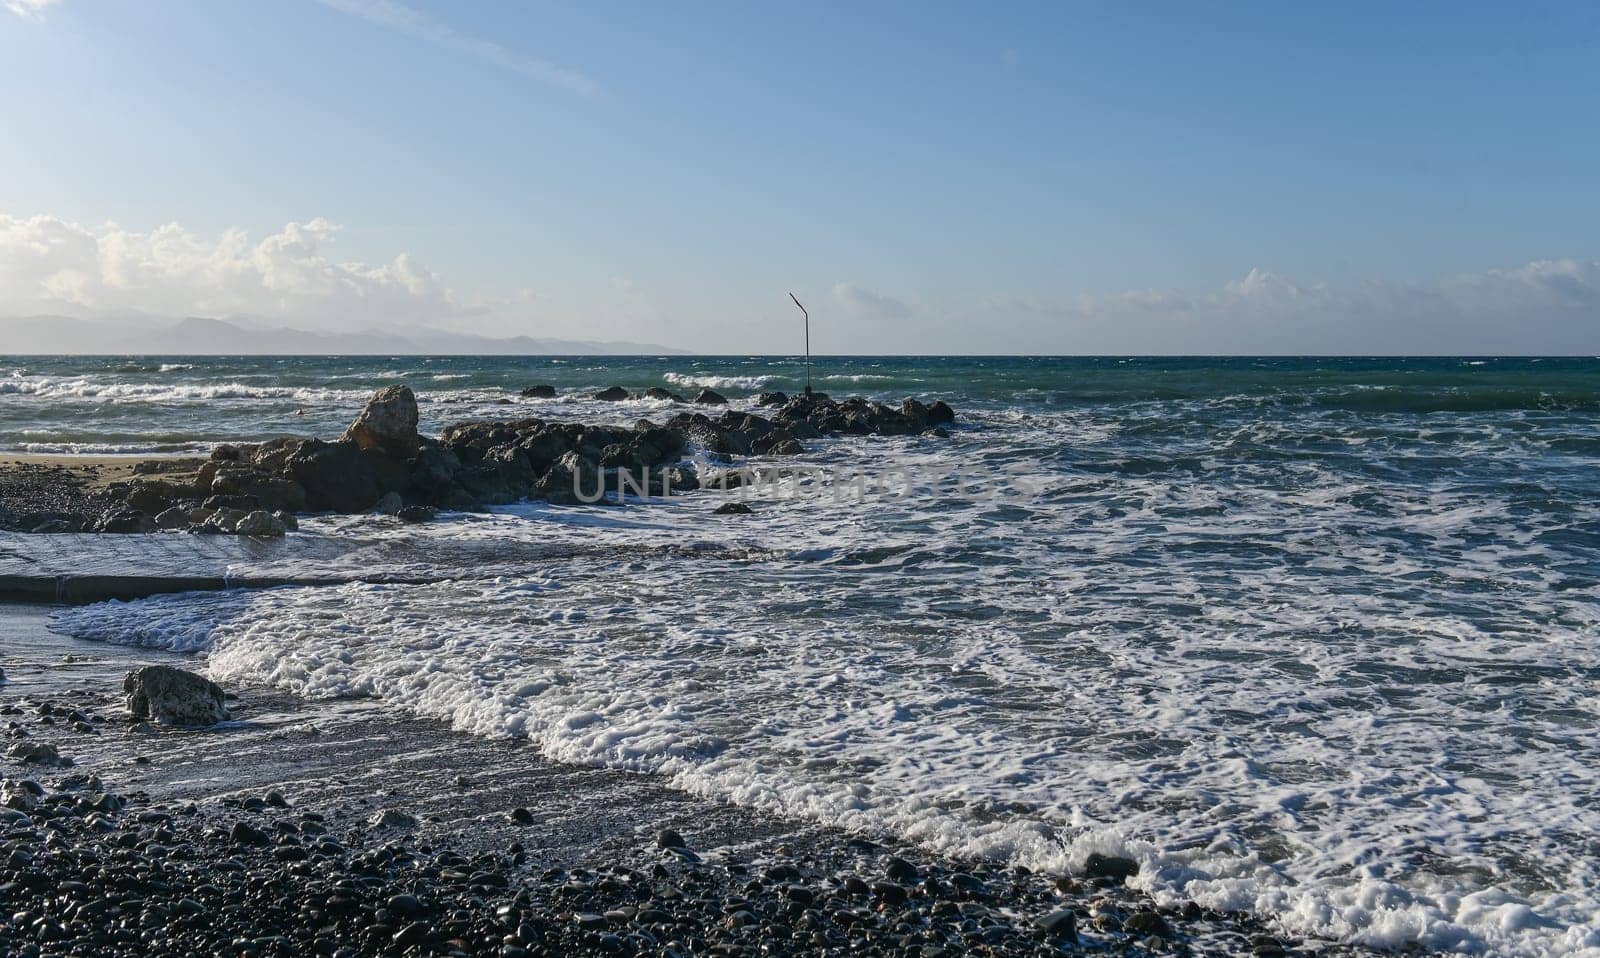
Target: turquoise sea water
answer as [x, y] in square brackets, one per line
[144, 403]
[1318, 638]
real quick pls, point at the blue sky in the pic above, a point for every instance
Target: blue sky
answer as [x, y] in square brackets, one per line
[932, 177]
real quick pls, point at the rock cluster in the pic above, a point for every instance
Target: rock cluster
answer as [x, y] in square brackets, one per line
[383, 464]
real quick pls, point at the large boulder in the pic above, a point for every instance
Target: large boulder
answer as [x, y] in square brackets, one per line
[174, 697]
[260, 523]
[388, 424]
[339, 477]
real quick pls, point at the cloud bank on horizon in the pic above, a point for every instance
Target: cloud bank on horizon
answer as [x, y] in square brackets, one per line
[53, 266]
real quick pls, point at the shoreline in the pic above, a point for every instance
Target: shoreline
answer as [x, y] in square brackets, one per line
[348, 797]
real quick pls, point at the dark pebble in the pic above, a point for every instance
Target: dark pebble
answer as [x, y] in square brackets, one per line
[669, 838]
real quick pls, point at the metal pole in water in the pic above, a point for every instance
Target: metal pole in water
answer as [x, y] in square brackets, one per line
[808, 342]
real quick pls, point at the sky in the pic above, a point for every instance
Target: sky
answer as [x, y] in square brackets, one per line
[926, 177]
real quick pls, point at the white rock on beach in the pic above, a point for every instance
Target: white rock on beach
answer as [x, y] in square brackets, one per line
[174, 697]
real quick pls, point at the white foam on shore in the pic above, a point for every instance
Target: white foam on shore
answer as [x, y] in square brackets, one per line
[1364, 709]
[1362, 706]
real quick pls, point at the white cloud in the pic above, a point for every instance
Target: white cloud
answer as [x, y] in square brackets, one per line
[51, 265]
[29, 9]
[416, 23]
[869, 304]
[1545, 306]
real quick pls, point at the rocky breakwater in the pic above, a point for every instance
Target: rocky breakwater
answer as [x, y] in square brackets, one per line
[382, 463]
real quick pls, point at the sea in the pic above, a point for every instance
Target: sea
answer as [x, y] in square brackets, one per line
[1312, 638]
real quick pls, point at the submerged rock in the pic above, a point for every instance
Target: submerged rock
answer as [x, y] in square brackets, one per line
[416, 514]
[541, 391]
[1110, 866]
[613, 394]
[174, 697]
[657, 392]
[388, 423]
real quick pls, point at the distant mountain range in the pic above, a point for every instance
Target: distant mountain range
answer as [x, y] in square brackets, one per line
[215, 337]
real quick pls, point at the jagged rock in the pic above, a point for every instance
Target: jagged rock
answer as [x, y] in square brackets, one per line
[124, 521]
[541, 391]
[680, 479]
[221, 521]
[613, 394]
[388, 424]
[267, 491]
[777, 444]
[175, 518]
[259, 523]
[772, 399]
[236, 503]
[726, 479]
[657, 392]
[290, 523]
[707, 397]
[732, 509]
[389, 504]
[173, 697]
[153, 496]
[416, 514]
